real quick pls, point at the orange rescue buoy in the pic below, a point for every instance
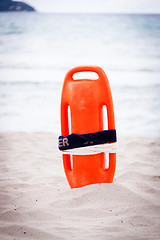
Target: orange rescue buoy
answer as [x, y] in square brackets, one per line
[85, 98]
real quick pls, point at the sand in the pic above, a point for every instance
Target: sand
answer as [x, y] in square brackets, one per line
[37, 203]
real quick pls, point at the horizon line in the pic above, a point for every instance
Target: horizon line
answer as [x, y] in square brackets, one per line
[109, 13]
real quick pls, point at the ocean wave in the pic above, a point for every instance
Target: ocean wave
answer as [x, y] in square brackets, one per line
[29, 83]
[59, 68]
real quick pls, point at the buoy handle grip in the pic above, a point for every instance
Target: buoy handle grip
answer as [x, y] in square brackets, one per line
[95, 69]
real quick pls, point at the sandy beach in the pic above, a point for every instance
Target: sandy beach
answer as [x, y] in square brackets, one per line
[37, 203]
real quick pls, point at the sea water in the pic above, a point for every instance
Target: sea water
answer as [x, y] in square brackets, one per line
[36, 51]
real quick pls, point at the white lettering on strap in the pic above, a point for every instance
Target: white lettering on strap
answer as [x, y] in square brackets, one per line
[60, 143]
[65, 142]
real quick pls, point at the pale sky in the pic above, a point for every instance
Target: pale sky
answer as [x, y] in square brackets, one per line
[96, 6]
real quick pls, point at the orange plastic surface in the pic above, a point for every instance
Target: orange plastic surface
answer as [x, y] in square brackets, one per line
[86, 99]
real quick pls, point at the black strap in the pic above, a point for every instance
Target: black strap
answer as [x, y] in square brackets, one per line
[83, 140]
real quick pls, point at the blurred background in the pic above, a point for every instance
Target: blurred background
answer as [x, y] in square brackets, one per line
[38, 48]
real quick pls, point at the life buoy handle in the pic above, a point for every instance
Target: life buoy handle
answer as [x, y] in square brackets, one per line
[98, 70]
